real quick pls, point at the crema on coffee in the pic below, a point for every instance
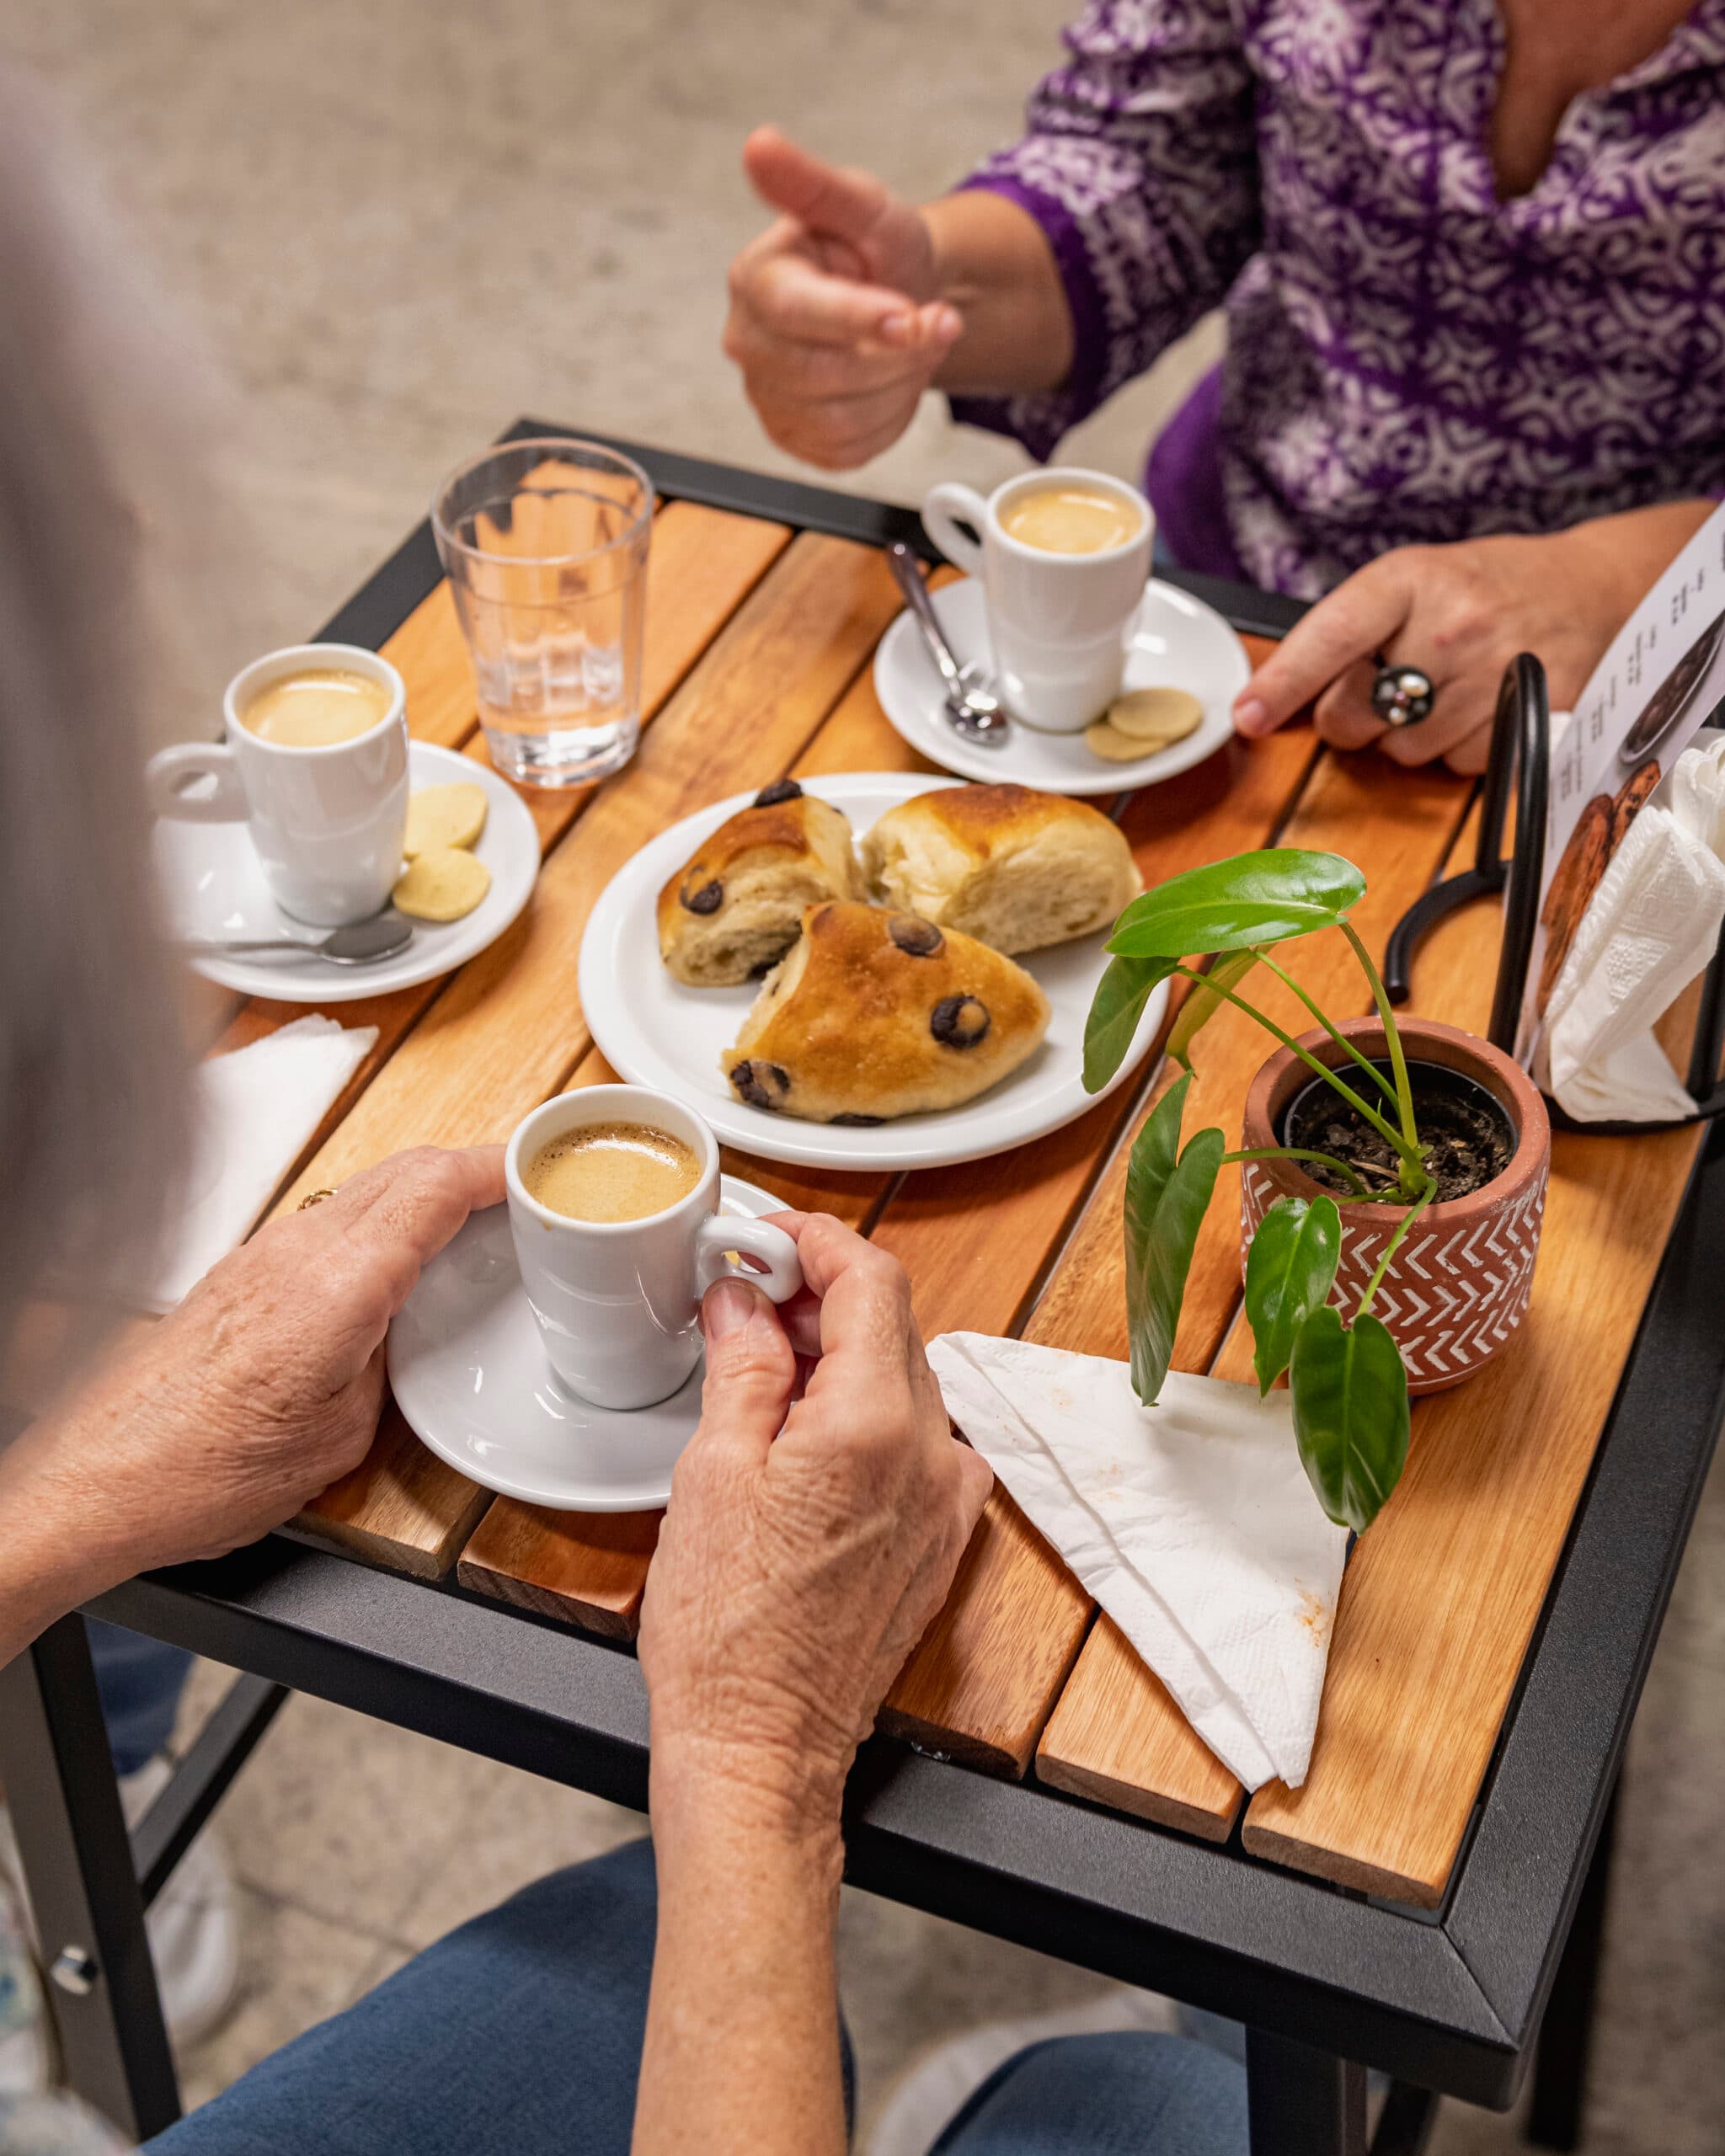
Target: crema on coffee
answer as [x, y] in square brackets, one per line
[612, 1171]
[317, 708]
[1068, 519]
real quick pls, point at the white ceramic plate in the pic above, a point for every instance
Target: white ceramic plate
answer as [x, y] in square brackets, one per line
[1179, 644]
[468, 1371]
[212, 885]
[656, 1032]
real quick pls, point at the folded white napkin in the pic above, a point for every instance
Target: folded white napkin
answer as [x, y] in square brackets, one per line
[1651, 928]
[1192, 1523]
[255, 1110]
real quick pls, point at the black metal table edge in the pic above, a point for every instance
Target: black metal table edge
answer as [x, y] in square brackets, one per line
[1451, 2004]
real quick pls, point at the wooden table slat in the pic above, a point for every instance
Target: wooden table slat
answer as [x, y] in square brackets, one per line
[1115, 1736]
[982, 1682]
[1440, 1599]
[508, 1030]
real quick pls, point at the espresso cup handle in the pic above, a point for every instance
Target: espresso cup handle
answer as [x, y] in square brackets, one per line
[167, 774]
[716, 1238]
[941, 506]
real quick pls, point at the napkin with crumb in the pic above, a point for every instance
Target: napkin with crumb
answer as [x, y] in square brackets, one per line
[255, 1111]
[1192, 1523]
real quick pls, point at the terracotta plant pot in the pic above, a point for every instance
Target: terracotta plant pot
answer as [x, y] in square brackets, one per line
[1457, 1288]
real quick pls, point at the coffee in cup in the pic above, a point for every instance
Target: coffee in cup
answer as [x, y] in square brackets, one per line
[1064, 557]
[1068, 518]
[612, 1171]
[316, 709]
[315, 764]
[614, 1196]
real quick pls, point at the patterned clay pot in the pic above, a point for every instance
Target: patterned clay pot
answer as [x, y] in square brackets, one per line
[1457, 1288]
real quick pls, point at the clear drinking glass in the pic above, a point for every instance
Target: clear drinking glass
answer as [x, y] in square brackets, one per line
[545, 543]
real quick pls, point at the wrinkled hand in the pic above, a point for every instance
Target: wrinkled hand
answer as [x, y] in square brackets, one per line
[834, 318]
[1459, 613]
[811, 1540]
[266, 1384]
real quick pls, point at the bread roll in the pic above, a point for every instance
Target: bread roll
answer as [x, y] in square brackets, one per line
[1017, 868]
[734, 909]
[876, 1014]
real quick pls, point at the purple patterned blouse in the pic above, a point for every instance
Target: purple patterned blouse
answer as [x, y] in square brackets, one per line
[1409, 358]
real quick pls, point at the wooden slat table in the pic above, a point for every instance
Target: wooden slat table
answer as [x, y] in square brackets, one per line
[767, 602]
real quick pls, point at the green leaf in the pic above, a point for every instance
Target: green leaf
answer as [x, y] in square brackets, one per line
[1204, 999]
[1166, 1193]
[1115, 1009]
[1254, 898]
[1350, 1414]
[1290, 1271]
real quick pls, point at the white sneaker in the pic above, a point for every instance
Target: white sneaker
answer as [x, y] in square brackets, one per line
[24, 2036]
[193, 1924]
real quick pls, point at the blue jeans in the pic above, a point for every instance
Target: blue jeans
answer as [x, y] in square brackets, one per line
[141, 1681]
[521, 2032]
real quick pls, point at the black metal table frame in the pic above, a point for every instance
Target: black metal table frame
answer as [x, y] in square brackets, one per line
[1329, 1982]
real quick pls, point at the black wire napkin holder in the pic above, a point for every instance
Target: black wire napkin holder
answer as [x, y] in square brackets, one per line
[1520, 755]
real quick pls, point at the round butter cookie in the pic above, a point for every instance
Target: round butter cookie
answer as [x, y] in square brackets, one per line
[442, 884]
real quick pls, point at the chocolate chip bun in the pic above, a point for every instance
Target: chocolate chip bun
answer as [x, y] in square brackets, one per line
[1017, 868]
[735, 908]
[878, 1013]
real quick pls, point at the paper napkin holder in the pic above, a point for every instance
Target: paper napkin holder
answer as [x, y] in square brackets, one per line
[1520, 755]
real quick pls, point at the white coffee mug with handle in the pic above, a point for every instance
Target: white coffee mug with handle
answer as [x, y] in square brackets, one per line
[1058, 622]
[328, 823]
[618, 1302]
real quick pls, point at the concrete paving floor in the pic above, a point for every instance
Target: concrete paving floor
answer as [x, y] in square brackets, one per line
[399, 228]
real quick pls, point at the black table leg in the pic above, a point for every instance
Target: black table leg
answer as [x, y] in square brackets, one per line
[77, 1863]
[1566, 2034]
[1302, 2101]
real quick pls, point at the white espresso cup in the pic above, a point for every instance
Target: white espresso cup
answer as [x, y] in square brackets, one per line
[328, 823]
[1058, 622]
[618, 1302]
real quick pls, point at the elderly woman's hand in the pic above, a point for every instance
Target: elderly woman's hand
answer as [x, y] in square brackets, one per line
[1461, 613]
[260, 1390]
[810, 1539]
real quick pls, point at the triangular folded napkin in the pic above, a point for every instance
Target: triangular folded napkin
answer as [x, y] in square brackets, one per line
[1192, 1523]
[1652, 927]
[254, 1111]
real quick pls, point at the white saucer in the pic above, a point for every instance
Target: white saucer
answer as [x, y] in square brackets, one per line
[468, 1371]
[212, 885]
[1179, 642]
[656, 1032]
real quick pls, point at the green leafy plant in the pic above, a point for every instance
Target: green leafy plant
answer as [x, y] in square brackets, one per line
[1348, 1385]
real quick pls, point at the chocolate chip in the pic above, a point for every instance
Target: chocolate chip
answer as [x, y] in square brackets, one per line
[783, 789]
[707, 900]
[959, 1021]
[859, 1122]
[918, 938]
[757, 1083]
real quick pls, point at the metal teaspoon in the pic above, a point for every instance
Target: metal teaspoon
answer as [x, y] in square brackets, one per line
[972, 708]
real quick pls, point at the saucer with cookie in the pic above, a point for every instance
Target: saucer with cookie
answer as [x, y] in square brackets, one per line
[1112, 678]
[871, 969]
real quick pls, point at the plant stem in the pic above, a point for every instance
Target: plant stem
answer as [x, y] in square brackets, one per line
[1335, 1032]
[1390, 1248]
[1300, 1153]
[1408, 1152]
[1398, 1061]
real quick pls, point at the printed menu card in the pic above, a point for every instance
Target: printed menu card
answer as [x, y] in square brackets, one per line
[1660, 682]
